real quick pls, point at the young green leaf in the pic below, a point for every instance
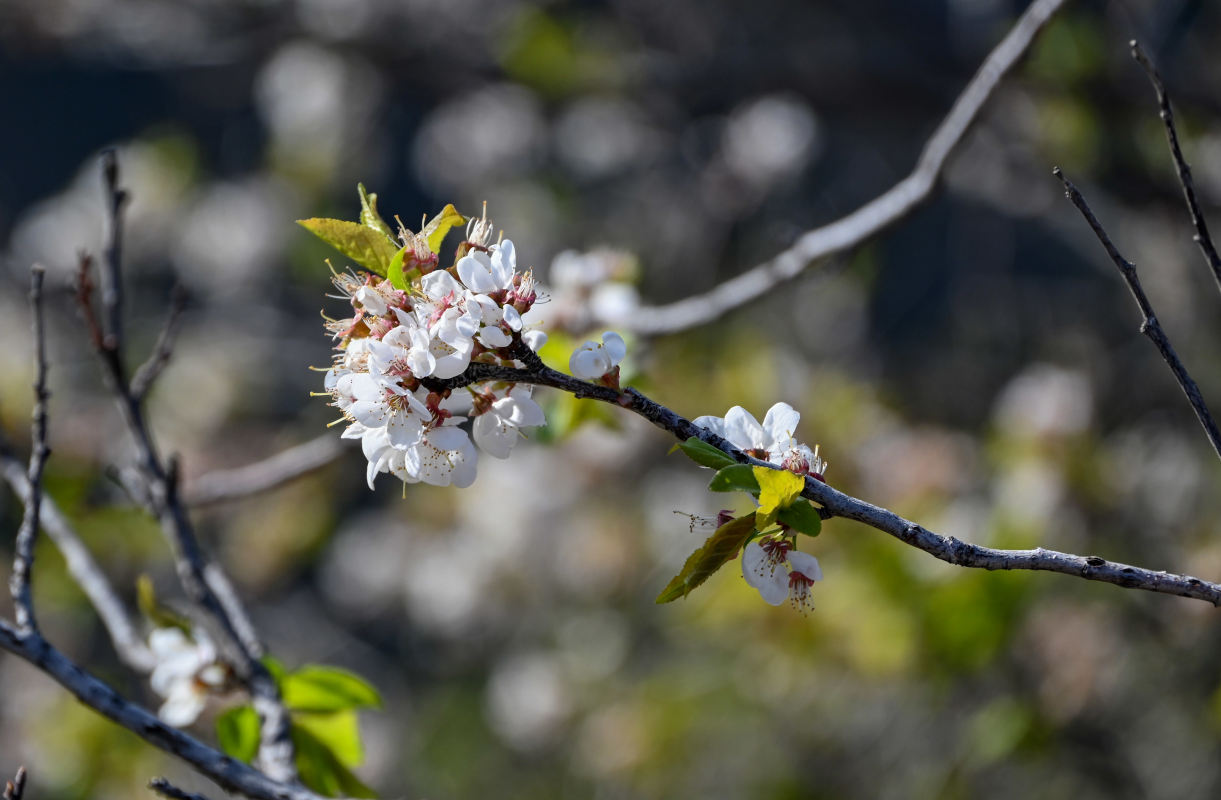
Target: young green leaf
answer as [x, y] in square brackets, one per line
[394, 272]
[802, 517]
[436, 228]
[778, 488]
[237, 730]
[722, 546]
[366, 246]
[736, 478]
[318, 688]
[703, 453]
[368, 212]
[338, 730]
[321, 771]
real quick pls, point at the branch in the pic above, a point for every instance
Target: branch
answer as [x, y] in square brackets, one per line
[166, 789]
[1202, 237]
[148, 372]
[1149, 324]
[838, 504]
[228, 773]
[199, 578]
[225, 485]
[83, 569]
[14, 789]
[27, 534]
[870, 219]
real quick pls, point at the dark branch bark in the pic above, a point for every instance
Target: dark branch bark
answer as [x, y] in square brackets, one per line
[1149, 326]
[1202, 237]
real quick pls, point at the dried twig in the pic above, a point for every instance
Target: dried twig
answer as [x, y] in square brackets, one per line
[1149, 324]
[14, 789]
[870, 219]
[195, 571]
[166, 789]
[148, 372]
[1202, 237]
[23, 558]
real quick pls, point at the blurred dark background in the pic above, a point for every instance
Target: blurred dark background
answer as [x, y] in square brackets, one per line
[977, 367]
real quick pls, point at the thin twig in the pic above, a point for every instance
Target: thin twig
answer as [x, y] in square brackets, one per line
[85, 571]
[148, 372]
[227, 772]
[27, 534]
[883, 211]
[112, 286]
[237, 635]
[1149, 324]
[1202, 237]
[838, 504]
[14, 789]
[166, 789]
[233, 484]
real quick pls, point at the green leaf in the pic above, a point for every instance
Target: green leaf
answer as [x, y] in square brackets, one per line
[366, 246]
[318, 688]
[736, 478]
[394, 272]
[275, 667]
[321, 771]
[368, 212]
[778, 488]
[801, 517]
[338, 730]
[703, 453]
[722, 546]
[238, 732]
[434, 232]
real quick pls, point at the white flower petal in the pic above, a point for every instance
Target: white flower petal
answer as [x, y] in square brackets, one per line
[780, 424]
[806, 564]
[616, 348]
[493, 435]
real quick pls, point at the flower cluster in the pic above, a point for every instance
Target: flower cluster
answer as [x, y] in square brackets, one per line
[188, 669]
[411, 332]
[771, 563]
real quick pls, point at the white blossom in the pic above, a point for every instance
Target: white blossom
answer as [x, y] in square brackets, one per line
[186, 672]
[497, 429]
[770, 441]
[781, 573]
[591, 361]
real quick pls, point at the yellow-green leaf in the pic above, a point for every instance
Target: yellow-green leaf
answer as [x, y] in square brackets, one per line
[734, 478]
[434, 232]
[339, 731]
[368, 212]
[321, 770]
[314, 687]
[366, 246]
[722, 546]
[394, 272]
[703, 453]
[778, 488]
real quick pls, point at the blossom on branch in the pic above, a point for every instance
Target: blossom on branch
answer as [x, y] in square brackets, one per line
[188, 669]
[592, 361]
[781, 573]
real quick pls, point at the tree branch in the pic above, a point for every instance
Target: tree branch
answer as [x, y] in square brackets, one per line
[27, 534]
[1202, 237]
[166, 789]
[197, 575]
[228, 773]
[14, 789]
[149, 371]
[870, 219]
[1149, 324]
[84, 570]
[838, 504]
[225, 485]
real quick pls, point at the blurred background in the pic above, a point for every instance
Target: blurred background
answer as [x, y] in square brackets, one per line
[977, 368]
